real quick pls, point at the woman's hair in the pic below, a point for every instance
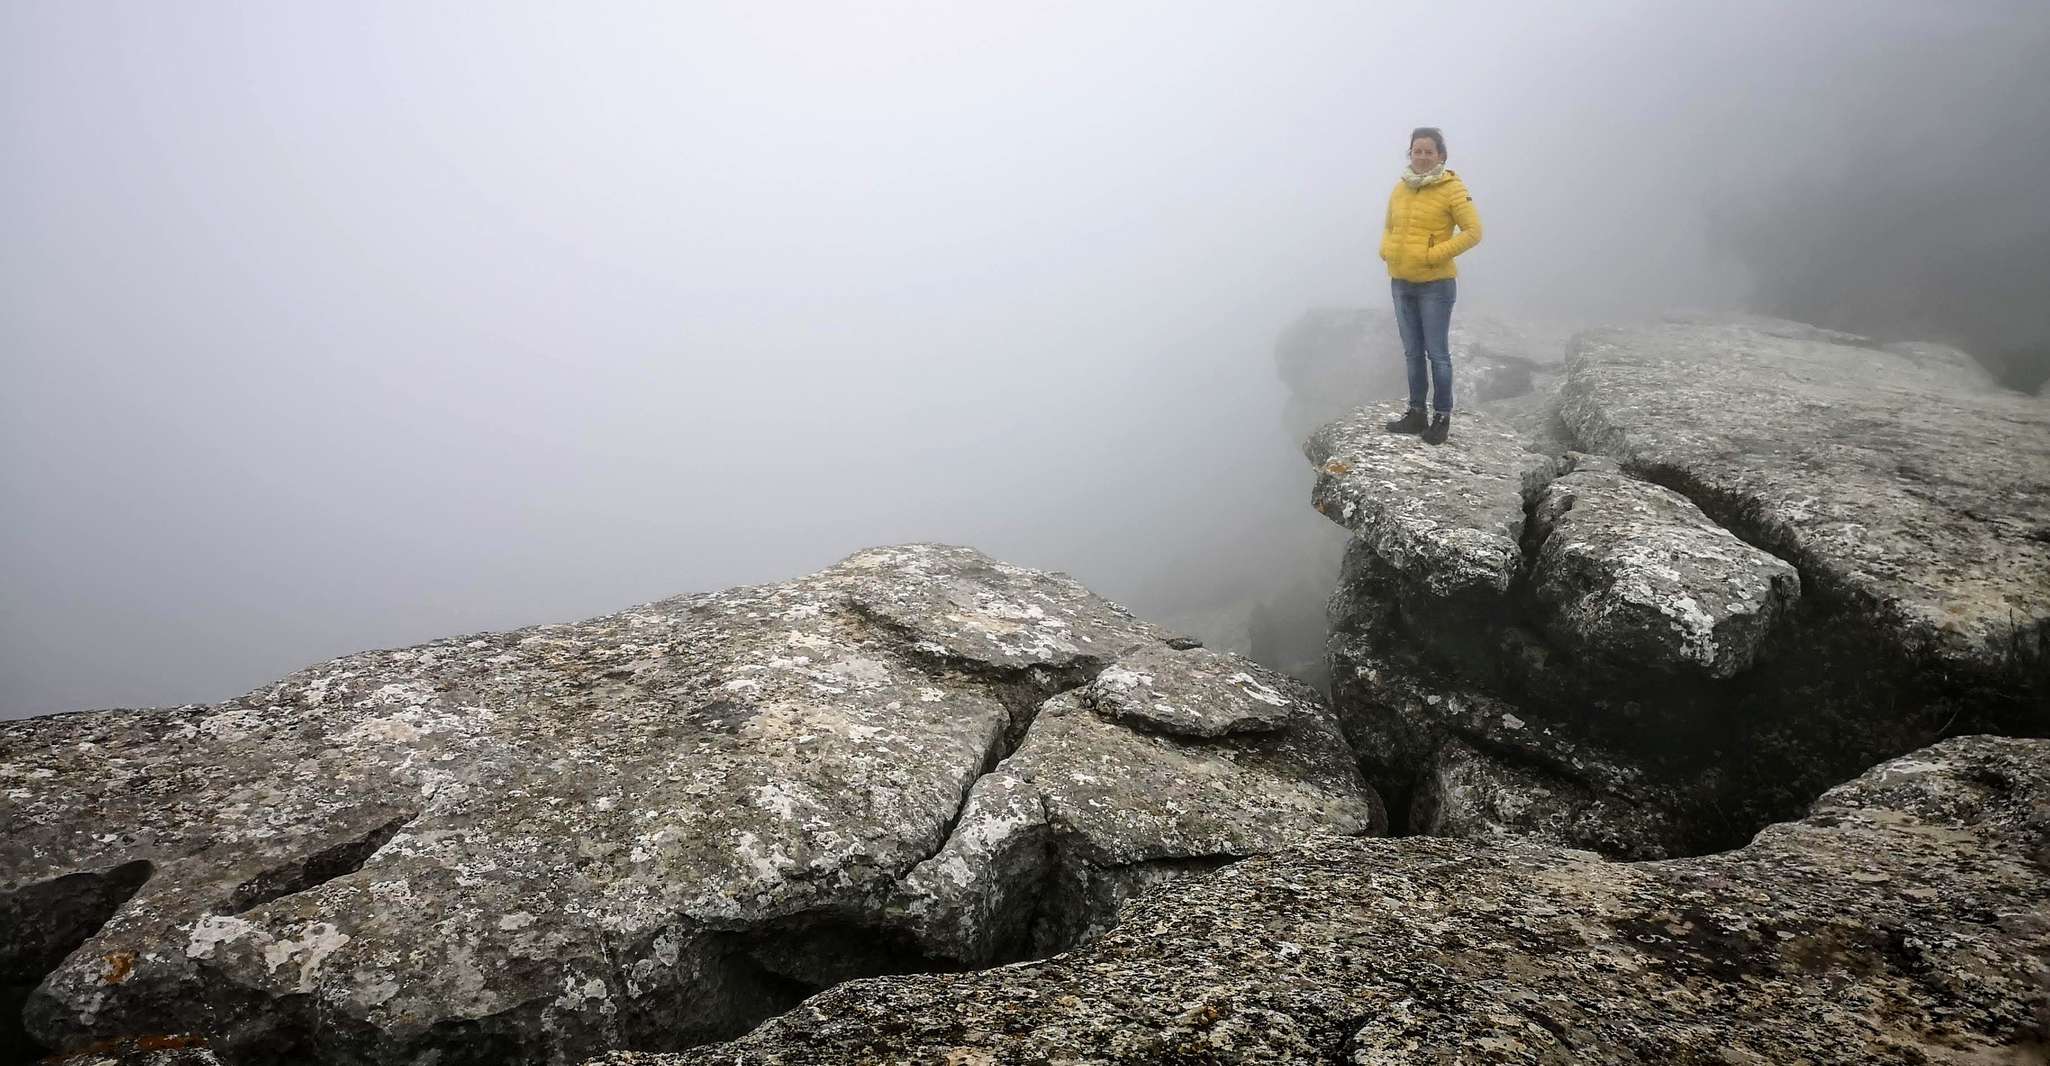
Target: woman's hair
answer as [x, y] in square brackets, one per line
[1437, 137]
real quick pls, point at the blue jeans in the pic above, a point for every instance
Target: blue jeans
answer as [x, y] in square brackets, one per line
[1423, 312]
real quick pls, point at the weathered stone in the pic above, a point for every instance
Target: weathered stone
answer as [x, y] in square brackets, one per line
[1893, 482]
[1193, 693]
[1659, 625]
[143, 1051]
[1447, 518]
[1635, 576]
[1421, 733]
[1906, 920]
[646, 829]
[1475, 795]
[1086, 811]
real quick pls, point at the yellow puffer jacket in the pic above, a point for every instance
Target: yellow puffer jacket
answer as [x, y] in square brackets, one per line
[1417, 241]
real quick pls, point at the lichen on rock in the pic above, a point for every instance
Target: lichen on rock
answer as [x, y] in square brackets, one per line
[1905, 920]
[647, 829]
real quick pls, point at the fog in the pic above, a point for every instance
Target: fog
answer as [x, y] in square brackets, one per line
[326, 328]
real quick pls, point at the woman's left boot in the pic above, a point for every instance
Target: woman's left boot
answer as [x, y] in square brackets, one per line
[1441, 424]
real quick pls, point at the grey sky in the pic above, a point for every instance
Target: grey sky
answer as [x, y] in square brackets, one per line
[327, 327]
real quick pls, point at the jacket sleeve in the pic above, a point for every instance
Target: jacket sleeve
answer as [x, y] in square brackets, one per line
[1469, 222]
[1388, 231]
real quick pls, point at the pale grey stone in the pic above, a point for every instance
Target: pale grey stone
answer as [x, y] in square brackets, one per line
[1895, 484]
[645, 829]
[1905, 920]
[1192, 692]
[1447, 518]
[1636, 576]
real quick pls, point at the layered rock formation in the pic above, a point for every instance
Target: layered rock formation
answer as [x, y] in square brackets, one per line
[1797, 553]
[643, 830]
[1331, 360]
[1905, 920]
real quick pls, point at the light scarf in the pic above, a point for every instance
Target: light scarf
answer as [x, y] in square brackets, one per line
[1417, 181]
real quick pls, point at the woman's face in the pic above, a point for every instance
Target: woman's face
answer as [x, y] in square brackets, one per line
[1423, 155]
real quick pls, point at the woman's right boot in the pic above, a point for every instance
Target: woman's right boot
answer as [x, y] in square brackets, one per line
[1412, 421]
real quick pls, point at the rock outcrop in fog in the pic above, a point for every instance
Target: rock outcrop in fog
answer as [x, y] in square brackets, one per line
[1646, 602]
[649, 829]
[1785, 554]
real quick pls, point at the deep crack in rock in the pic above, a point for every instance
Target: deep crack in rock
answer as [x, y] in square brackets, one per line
[316, 869]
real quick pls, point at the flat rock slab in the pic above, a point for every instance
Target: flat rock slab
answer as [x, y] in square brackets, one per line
[1448, 518]
[1906, 920]
[1891, 477]
[1086, 811]
[637, 830]
[1634, 575]
[1190, 692]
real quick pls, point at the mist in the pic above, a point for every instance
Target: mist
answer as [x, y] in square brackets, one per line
[326, 329]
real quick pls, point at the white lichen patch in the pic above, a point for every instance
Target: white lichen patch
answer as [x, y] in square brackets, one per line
[210, 932]
[307, 952]
[1253, 687]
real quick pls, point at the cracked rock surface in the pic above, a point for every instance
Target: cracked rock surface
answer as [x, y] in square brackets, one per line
[1448, 518]
[1905, 920]
[641, 830]
[1635, 575]
[1190, 692]
[1775, 556]
[1891, 476]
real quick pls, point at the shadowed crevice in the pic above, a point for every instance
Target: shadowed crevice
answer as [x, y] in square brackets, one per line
[315, 870]
[41, 924]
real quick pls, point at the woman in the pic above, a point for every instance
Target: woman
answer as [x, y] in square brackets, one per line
[1418, 244]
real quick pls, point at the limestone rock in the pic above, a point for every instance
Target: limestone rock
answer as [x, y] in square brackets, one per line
[1475, 795]
[146, 1051]
[1457, 760]
[1893, 482]
[646, 829]
[1448, 518]
[1906, 920]
[1634, 575]
[1193, 692]
[1059, 835]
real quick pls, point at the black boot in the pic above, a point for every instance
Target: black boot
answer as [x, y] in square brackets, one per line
[1412, 421]
[1441, 424]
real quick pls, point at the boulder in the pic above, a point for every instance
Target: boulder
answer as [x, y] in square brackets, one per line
[641, 830]
[1898, 485]
[1452, 758]
[1448, 519]
[1480, 795]
[1635, 576]
[1780, 562]
[1905, 920]
[1087, 811]
[1191, 692]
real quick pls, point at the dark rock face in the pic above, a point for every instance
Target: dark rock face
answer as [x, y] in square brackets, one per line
[642, 830]
[1905, 920]
[1798, 553]
[175, 1050]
